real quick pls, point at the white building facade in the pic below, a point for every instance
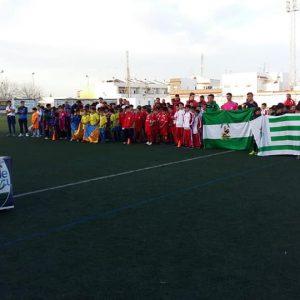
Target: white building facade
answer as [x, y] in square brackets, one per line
[141, 92]
[241, 83]
[193, 83]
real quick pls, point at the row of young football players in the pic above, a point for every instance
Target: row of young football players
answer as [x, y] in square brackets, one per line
[180, 125]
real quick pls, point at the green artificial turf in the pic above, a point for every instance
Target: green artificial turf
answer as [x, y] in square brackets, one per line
[221, 227]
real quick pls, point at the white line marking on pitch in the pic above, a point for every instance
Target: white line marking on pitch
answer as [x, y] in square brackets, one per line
[118, 174]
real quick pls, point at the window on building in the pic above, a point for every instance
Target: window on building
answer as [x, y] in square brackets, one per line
[122, 90]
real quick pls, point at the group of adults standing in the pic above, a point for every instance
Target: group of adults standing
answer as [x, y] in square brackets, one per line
[11, 113]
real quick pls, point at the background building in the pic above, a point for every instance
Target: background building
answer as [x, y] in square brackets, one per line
[196, 84]
[241, 83]
[192, 84]
[138, 92]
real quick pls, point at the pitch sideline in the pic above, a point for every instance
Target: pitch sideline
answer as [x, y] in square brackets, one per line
[119, 174]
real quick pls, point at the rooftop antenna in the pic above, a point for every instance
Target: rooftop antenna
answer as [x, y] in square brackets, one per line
[128, 75]
[266, 68]
[292, 8]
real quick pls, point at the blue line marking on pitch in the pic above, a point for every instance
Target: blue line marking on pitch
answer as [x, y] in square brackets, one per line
[118, 210]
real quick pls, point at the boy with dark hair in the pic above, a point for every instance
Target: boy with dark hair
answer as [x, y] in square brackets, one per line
[91, 134]
[84, 121]
[35, 123]
[102, 125]
[128, 125]
[149, 126]
[163, 125]
[280, 110]
[40, 110]
[171, 121]
[55, 123]
[272, 110]
[115, 125]
[75, 121]
[179, 117]
[187, 127]
[62, 126]
[155, 126]
[47, 121]
[138, 125]
[196, 127]
[264, 109]
[202, 102]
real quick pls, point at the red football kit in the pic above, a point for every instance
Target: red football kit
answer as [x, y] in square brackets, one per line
[171, 130]
[138, 121]
[121, 119]
[164, 126]
[128, 120]
[149, 127]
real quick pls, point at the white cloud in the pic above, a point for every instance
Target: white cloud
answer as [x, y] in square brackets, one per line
[62, 40]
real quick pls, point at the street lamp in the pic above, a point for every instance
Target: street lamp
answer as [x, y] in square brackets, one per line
[292, 8]
[88, 85]
[88, 80]
[32, 74]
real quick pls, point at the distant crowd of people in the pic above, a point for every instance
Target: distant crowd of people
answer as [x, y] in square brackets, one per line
[175, 122]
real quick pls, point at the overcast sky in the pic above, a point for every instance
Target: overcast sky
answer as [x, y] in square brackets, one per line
[61, 41]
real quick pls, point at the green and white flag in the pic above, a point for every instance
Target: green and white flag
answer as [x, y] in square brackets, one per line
[277, 135]
[227, 129]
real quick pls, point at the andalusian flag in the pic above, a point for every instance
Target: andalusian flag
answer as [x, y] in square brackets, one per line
[227, 129]
[277, 135]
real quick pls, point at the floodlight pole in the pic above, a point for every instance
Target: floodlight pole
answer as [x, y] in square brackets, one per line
[32, 74]
[292, 8]
[127, 75]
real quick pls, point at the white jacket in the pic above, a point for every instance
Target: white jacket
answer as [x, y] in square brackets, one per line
[188, 120]
[179, 118]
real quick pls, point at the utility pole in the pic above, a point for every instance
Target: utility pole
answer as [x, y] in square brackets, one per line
[292, 8]
[202, 65]
[128, 75]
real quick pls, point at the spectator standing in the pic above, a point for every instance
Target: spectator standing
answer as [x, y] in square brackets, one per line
[229, 105]
[23, 112]
[250, 103]
[192, 102]
[11, 118]
[211, 104]
[289, 101]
